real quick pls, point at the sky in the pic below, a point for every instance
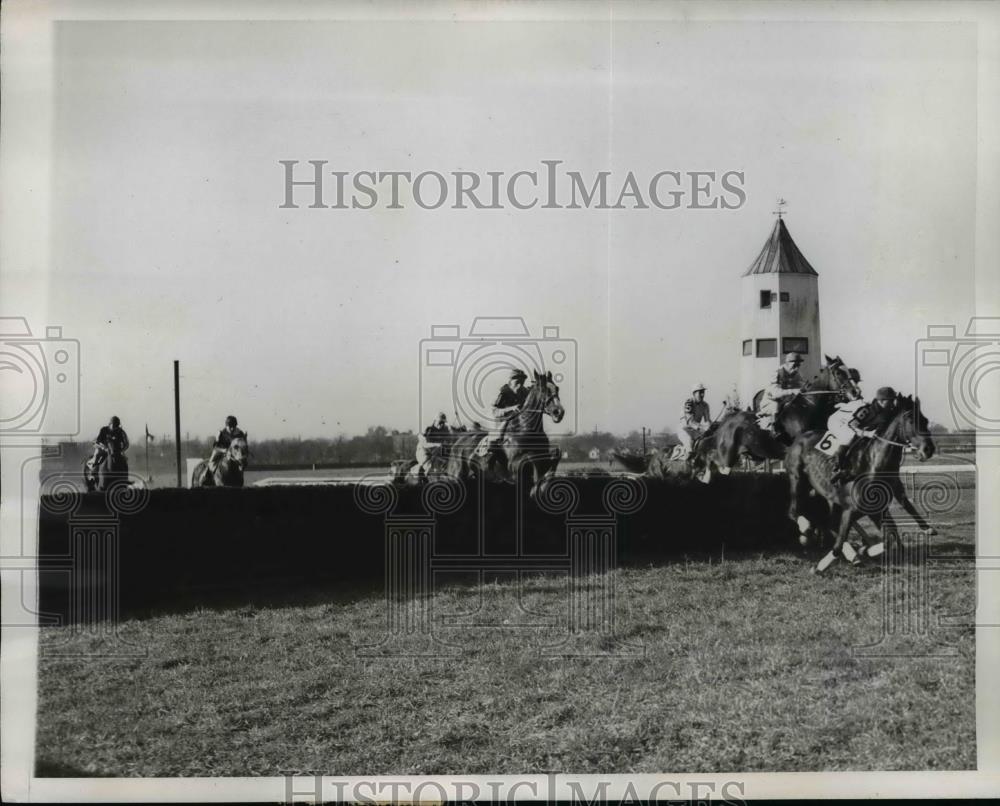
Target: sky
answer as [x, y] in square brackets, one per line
[168, 239]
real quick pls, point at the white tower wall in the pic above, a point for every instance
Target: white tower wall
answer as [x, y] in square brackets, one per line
[796, 317]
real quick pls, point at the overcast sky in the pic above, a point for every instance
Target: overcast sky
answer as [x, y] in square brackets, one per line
[168, 240]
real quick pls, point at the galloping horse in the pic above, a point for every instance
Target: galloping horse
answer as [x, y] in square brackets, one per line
[873, 470]
[525, 446]
[113, 468]
[229, 472]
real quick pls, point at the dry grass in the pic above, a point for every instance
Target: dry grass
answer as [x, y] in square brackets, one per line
[743, 665]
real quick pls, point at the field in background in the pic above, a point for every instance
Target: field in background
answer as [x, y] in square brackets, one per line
[716, 664]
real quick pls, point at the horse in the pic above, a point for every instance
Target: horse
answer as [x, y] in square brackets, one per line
[525, 447]
[738, 435]
[812, 406]
[431, 458]
[113, 468]
[229, 472]
[873, 473]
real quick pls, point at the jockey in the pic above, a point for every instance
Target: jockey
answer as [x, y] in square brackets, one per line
[223, 441]
[508, 403]
[110, 433]
[438, 430]
[431, 442]
[885, 402]
[786, 384]
[695, 420]
[851, 419]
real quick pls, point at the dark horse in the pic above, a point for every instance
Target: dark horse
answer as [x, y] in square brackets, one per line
[873, 473]
[113, 468]
[229, 472]
[525, 448]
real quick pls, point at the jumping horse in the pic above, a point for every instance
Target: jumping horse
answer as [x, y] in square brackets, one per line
[525, 450]
[738, 435]
[113, 468]
[229, 472]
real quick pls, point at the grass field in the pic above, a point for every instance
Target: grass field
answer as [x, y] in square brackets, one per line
[747, 663]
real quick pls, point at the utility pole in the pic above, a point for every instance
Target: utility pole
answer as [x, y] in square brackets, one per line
[644, 430]
[177, 420]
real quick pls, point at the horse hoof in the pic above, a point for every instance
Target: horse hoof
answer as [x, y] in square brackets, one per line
[803, 539]
[725, 471]
[876, 550]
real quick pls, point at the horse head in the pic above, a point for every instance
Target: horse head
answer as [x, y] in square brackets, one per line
[910, 426]
[836, 376]
[238, 452]
[550, 391]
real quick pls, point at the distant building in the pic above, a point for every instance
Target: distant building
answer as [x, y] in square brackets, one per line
[595, 454]
[780, 313]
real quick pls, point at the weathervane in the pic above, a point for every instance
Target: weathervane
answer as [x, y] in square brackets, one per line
[780, 211]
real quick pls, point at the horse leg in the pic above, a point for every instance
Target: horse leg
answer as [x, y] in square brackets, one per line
[900, 495]
[731, 452]
[799, 483]
[842, 545]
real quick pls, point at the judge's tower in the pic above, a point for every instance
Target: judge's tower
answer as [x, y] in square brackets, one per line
[780, 312]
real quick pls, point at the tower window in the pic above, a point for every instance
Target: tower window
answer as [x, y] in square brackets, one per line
[767, 348]
[748, 347]
[784, 296]
[765, 299]
[794, 344]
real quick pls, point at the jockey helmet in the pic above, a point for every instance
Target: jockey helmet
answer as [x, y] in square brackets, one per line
[115, 422]
[231, 421]
[442, 415]
[698, 387]
[791, 358]
[885, 393]
[518, 375]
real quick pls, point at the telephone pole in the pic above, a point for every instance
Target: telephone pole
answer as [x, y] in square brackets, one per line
[177, 420]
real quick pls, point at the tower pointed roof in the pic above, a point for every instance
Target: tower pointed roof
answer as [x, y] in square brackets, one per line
[780, 255]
